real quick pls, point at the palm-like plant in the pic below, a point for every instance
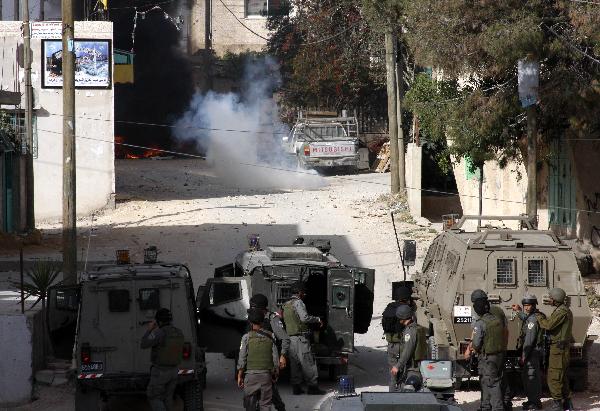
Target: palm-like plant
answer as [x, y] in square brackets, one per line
[40, 277]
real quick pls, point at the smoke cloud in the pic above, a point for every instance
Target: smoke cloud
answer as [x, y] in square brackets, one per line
[241, 133]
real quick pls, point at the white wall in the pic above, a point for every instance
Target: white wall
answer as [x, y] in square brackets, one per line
[15, 367]
[503, 192]
[414, 166]
[94, 120]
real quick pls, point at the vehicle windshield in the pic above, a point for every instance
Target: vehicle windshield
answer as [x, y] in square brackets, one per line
[317, 132]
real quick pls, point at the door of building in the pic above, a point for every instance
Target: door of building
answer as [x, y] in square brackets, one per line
[7, 194]
[562, 189]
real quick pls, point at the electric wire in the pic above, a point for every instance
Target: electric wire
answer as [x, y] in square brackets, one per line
[242, 23]
[305, 172]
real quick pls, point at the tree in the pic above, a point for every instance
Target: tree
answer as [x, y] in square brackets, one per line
[480, 42]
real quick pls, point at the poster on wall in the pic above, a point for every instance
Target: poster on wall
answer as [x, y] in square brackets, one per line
[93, 66]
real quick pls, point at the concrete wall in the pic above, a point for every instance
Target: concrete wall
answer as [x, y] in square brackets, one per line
[414, 165]
[94, 121]
[16, 365]
[503, 192]
[227, 33]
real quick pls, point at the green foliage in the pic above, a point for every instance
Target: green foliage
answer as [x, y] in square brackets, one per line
[40, 277]
[8, 129]
[233, 64]
[329, 55]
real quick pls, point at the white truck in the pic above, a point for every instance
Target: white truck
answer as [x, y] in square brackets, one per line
[326, 142]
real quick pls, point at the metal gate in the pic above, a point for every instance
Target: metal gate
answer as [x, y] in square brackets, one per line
[562, 189]
[7, 191]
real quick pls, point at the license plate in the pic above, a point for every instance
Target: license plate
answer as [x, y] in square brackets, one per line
[92, 367]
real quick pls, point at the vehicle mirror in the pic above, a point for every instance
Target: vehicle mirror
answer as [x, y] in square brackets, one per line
[409, 252]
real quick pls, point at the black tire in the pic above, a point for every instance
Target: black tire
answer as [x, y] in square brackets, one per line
[88, 399]
[192, 396]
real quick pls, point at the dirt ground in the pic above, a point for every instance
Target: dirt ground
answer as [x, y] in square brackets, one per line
[192, 216]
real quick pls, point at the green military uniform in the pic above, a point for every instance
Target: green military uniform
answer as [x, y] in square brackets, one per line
[559, 327]
[258, 361]
[167, 347]
[488, 342]
[302, 360]
[413, 351]
[530, 343]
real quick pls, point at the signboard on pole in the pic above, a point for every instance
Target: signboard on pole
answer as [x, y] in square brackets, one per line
[529, 82]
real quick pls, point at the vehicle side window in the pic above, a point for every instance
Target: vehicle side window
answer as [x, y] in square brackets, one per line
[118, 301]
[429, 256]
[224, 292]
[67, 300]
[284, 293]
[340, 297]
[505, 271]
[149, 299]
[536, 273]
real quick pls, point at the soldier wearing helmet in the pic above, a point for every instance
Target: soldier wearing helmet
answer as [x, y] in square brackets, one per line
[498, 312]
[302, 360]
[392, 328]
[272, 323]
[488, 342]
[166, 342]
[559, 326]
[530, 344]
[414, 348]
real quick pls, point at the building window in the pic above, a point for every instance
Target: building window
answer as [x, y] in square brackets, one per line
[264, 7]
[536, 274]
[505, 271]
[17, 121]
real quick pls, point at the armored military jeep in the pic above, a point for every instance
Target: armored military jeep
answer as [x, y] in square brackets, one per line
[505, 263]
[111, 307]
[341, 296]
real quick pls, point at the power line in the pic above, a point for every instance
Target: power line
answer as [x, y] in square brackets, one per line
[305, 172]
[586, 2]
[570, 44]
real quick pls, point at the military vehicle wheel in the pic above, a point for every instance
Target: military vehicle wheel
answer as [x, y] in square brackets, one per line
[192, 396]
[88, 399]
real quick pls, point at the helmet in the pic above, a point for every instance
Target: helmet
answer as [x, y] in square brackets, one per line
[402, 294]
[163, 315]
[259, 301]
[298, 287]
[404, 312]
[414, 380]
[255, 316]
[558, 295]
[529, 299]
[478, 295]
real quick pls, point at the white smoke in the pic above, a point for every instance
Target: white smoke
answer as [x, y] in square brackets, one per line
[241, 134]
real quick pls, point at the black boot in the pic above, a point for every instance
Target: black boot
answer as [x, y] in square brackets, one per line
[315, 390]
[556, 406]
[297, 390]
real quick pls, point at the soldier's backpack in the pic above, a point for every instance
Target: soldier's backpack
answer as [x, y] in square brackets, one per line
[389, 321]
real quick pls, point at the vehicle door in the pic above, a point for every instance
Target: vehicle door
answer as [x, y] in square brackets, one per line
[150, 295]
[222, 306]
[108, 328]
[340, 316]
[61, 318]
[364, 296]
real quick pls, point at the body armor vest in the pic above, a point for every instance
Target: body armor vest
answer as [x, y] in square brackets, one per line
[493, 340]
[169, 352]
[260, 351]
[293, 325]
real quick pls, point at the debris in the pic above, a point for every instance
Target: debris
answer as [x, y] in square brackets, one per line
[382, 163]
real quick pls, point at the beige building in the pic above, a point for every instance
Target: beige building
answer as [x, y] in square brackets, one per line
[230, 25]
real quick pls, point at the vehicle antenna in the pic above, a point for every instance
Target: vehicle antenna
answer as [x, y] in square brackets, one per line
[398, 244]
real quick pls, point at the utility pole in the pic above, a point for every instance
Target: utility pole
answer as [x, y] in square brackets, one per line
[390, 63]
[69, 152]
[30, 191]
[532, 164]
[480, 197]
[399, 97]
[208, 44]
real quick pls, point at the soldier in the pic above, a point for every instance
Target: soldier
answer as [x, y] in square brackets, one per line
[302, 360]
[498, 312]
[559, 326]
[272, 323]
[393, 329]
[258, 364]
[166, 342]
[414, 348]
[488, 344]
[530, 343]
